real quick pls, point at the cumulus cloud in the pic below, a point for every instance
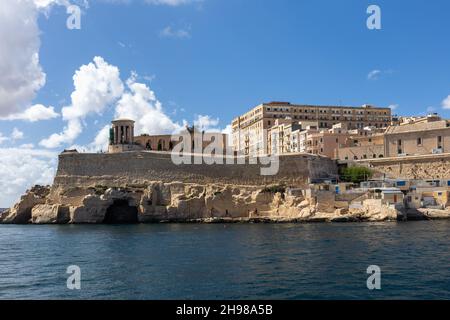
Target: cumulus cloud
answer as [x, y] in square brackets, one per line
[16, 134]
[97, 85]
[206, 123]
[22, 168]
[139, 103]
[3, 138]
[99, 144]
[446, 103]
[34, 113]
[21, 75]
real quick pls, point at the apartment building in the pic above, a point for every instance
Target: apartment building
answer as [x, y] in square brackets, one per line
[249, 131]
[411, 136]
[427, 135]
[362, 146]
[325, 142]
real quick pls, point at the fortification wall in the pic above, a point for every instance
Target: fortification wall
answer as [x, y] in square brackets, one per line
[81, 169]
[435, 166]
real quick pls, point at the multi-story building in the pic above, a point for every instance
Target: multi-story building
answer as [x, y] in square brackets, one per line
[250, 130]
[279, 136]
[413, 136]
[426, 135]
[362, 146]
[326, 142]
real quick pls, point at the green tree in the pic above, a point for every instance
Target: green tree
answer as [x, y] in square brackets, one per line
[355, 174]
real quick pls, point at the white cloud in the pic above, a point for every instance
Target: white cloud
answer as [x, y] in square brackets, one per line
[100, 143]
[374, 75]
[446, 103]
[16, 134]
[206, 123]
[97, 85]
[169, 32]
[377, 74]
[21, 75]
[34, 113]
[140, 104]
[22, 168]
[26, 146]
[3, 138]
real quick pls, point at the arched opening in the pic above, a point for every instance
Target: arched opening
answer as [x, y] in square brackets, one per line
[121, 213]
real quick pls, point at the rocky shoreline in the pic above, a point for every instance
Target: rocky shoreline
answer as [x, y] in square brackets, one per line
[158, 202]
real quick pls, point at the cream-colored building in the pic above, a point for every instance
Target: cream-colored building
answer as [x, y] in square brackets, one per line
[326, 142]
[413, 136]
[358, 147]
[250, 130]
[428, 135]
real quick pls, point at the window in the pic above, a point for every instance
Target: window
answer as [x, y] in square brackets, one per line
[399, 142]
[419, 141]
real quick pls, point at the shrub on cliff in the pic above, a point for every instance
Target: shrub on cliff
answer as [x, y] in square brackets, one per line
[355, 174]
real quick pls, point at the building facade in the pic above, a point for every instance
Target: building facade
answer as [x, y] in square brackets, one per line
[413, 136]
[428, 135]
[250, 130]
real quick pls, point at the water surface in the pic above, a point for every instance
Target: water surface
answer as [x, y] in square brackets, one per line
[226, 261]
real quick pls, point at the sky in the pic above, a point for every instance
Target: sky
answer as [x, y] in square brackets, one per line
[167, 63]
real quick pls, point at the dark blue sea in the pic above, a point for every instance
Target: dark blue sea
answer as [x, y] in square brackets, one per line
[226, 261]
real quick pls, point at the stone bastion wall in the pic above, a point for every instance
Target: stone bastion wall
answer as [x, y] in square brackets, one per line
[433, 166]
[82, 169]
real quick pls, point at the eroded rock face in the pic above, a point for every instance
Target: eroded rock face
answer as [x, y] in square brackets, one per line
[50, 214]
[21, 212]
[182, 202]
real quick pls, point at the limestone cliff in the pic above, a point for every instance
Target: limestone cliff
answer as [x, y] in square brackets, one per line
[147, 187]
[184, 202]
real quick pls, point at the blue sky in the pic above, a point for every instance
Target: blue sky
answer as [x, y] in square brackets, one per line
[209, 61]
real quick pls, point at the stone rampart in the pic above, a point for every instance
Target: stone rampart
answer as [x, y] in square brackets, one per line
[81, 169]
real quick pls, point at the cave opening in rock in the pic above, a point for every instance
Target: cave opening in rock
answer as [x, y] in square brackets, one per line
[120, 212]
